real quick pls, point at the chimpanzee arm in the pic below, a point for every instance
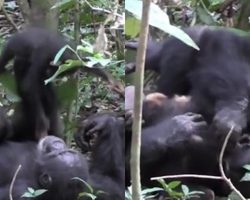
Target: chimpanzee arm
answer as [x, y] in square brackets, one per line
[6, 55]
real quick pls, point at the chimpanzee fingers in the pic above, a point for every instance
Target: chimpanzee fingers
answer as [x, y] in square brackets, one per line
[195, 117]
[93, 125]
[81, 142]
[96, 128]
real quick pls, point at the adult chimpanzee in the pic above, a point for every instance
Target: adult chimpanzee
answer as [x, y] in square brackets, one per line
[52, 165]
[181, 143]
[217, 76]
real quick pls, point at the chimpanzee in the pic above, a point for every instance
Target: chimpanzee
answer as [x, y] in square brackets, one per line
[51, 165]
[47, 165]
[182, 143]
[32, 51]
[216, 76]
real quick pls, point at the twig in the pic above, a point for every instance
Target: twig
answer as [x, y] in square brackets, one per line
[13, 181]
[227, 180]
[101, 9]
[187, 176]
[9, 19]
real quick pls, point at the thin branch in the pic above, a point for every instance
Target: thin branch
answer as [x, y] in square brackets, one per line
[136, 128]
[187, 176]
[227, 180]
[13, 181]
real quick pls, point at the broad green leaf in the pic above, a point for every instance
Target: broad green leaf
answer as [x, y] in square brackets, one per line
[93, 60]
[69, 65]
[160, 20]
[85, 49]
[132, 27]
[185, 189]
[59, 54]
[247, 167]
[28, 195]
[246, 177]
[39, 192]
[31, 190]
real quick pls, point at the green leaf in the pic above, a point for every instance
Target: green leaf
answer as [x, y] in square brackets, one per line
[27, 194]
[246, 177]
[64, 5]
[185, 189]
[39, 192]
[164, 185]
[132, 27]
[93, 61]
[59, 54]
[31, 190]
[151, 190]
[68, 65]
[85, 49]
[160, 20]
[174, 184]
[247, 167]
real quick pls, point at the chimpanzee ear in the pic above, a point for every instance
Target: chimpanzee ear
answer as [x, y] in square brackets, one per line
[45, 180]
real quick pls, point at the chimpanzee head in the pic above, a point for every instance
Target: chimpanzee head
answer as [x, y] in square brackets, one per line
[58, 167]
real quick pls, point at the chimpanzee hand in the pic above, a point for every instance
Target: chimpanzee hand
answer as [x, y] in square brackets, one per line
[97, 123]
[186, 127]
[189, 123]
[95, 126]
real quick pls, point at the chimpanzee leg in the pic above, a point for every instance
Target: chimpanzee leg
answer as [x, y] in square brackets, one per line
[31, 88]
[50, 105]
